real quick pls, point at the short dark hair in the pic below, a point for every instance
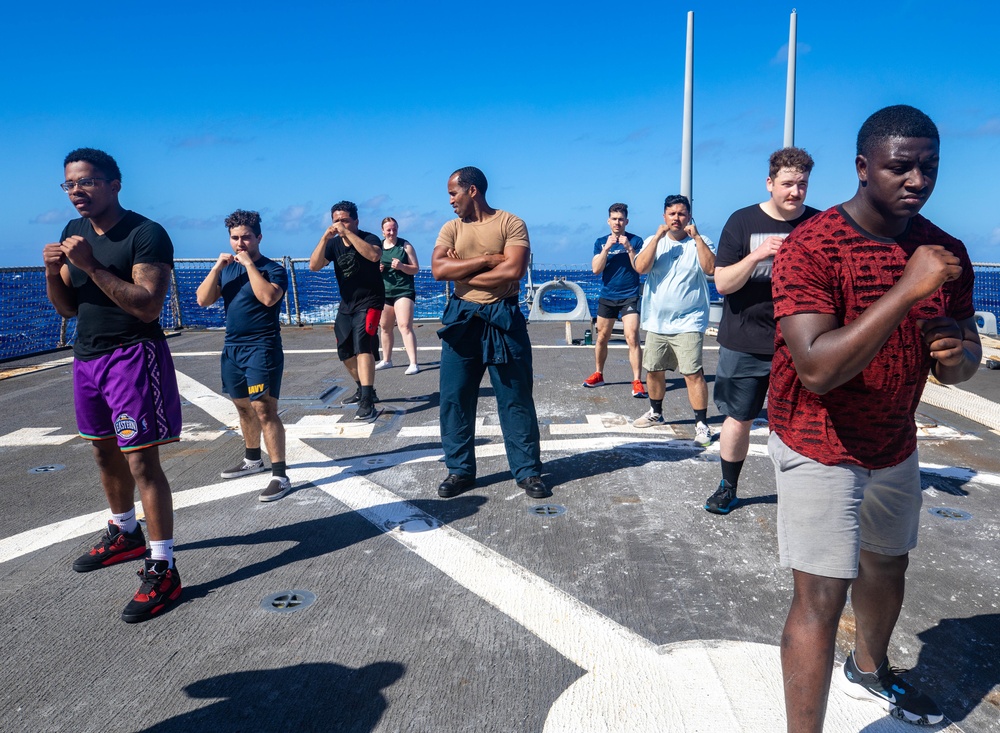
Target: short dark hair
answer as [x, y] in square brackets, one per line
[97, 158]
[796, 159]
[349, 206]
[676, 199]
[899, 120]
[241, 218]
[620, 208]
[471, 176]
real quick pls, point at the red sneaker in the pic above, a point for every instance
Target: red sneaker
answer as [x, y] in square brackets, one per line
[160, 587]
[114, 547]
[594, 380]
[638, 390]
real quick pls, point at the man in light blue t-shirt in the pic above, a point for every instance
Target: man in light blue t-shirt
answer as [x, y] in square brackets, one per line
[614, 261]
[676, 261]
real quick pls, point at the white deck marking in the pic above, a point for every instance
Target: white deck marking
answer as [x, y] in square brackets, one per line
[328, 426]
[630, 683]
[34, 436]
[609, 423]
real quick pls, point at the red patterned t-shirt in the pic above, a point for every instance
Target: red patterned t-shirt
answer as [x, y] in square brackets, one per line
[830, 265]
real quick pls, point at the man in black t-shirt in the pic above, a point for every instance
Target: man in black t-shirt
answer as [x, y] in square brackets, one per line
[110, 270]
[355, 256]
[252, 288]
[746, 332]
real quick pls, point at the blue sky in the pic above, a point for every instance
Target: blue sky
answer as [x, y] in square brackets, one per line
[209, 107]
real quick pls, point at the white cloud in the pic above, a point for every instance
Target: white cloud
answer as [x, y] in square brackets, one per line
[995, 236]
[781, 57]
[52, 216]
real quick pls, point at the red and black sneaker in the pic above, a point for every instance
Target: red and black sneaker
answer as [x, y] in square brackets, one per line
[160, 587]
[114, 547]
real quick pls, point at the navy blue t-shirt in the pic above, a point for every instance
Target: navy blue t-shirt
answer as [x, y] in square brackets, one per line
[619, 278]
[247, 319]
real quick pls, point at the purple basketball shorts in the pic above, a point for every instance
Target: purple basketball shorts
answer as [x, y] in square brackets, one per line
[130, 394]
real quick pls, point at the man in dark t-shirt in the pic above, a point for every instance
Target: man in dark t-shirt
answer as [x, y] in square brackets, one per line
[252, 287]
[746, 332]
[870, 298]
[355, 256]
[110, 270]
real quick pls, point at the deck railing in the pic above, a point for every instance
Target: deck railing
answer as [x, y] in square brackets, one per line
[29, 324]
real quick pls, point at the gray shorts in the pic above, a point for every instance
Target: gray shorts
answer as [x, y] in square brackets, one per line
[828, 514]
[673, 352]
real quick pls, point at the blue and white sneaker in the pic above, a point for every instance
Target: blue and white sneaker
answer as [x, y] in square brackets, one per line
[884, 687]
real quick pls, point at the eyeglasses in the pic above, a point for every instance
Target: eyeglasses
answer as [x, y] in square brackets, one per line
[84, 183]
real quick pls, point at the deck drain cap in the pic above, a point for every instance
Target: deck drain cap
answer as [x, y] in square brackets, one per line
[414, 523]
[47, 469]
[547, 510]
[948, 513]
[287, 601]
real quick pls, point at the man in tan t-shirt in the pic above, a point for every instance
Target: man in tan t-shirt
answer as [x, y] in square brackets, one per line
[484, 252]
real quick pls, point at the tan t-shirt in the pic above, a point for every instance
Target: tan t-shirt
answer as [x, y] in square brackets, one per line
[490, 237]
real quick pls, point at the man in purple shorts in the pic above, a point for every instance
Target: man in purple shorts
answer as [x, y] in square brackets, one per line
[110, 270]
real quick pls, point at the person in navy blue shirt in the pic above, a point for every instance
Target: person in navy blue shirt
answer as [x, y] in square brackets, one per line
[252, 288]
[614, 261]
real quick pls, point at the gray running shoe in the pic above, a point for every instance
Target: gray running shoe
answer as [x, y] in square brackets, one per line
[702, 435]
[649, 420]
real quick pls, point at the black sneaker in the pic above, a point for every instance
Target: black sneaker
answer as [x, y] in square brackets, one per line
[366, 409]
[160, 587]
[114, 547]
[723, 500]
[886, 688]
[356, 397]
[277, 488]
[455, 485]
[246, 467]
[534, 487]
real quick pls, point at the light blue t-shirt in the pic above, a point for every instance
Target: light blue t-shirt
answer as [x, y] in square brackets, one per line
[675, 299]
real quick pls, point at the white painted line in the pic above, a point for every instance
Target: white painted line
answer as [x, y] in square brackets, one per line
[609, 423]
[34, 436]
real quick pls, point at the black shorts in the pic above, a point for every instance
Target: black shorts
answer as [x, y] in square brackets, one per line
[252, 370]
[741, 383]
[356, 333]
[615, 309]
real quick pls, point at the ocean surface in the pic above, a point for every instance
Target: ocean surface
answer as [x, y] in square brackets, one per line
[29, 324]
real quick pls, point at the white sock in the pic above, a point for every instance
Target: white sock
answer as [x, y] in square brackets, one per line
[125, 522]
[162, 550]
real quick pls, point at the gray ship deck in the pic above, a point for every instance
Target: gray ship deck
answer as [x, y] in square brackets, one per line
[632, 610]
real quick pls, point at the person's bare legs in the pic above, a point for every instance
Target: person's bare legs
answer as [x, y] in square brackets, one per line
[602, 337]
[734, 441]
[363, 369]
[656, 385]
[876, 598]
[807, 648]
[630, 324]
[697, 390]
[387, 323]
[249, 422]
[154, 490]
[404, 320]
[116, 475]
[271, 427]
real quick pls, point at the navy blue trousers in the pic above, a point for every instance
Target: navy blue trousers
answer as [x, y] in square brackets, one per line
[463, 363]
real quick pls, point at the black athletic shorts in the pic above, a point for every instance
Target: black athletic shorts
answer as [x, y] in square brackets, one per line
[617, 308]
[356, 333]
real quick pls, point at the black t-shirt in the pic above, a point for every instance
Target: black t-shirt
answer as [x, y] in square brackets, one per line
[248, 321]
[101, 326]
[748, 314]
[359, 279]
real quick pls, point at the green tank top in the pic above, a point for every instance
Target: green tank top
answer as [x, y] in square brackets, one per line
[397, 283]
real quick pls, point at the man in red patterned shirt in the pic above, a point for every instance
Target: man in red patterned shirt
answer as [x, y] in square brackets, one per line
[870, 297]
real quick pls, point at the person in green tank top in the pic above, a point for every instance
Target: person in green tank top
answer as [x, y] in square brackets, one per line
[399, 266]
